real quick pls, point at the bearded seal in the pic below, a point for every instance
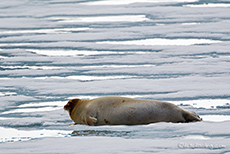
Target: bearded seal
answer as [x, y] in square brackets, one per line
[114, 110]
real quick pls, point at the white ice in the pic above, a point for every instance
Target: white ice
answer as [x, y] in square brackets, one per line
[13, 135]
[208, 5]
[126, 2]
[118, 18]
[159, 41]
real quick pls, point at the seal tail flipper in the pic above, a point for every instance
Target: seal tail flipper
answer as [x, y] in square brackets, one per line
[191, 117]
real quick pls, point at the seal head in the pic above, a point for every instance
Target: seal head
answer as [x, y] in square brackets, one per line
[71, 104]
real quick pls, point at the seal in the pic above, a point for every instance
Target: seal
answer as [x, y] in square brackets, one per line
[113, 110]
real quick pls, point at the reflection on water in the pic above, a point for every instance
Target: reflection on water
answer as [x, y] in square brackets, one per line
[101, 133]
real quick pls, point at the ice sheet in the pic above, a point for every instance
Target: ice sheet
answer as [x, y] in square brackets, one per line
[118, 18]
[170, 50]
[120, 2]
[158, 41]
[13, 135]
[210, 5]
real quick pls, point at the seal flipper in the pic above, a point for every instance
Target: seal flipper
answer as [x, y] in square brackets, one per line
[91, 121]
[191, 117]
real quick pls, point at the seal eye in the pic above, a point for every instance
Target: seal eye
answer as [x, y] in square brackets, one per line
[70, 103]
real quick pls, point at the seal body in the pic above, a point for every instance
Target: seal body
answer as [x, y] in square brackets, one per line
[112, 110]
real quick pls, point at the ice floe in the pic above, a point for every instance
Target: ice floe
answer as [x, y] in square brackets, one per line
[159, 41]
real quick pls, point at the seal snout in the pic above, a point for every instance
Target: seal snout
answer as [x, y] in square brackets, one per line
[66, 107]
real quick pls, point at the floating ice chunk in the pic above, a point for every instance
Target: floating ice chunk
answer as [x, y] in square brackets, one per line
[208, 5]
[79, 52]
[71, 52]
[16, 44]
[86, 78]
[120, 66]
[96, 96]
[97, 77]
[57, 103]
[160, 41]
[32, 67]
[117, 18]
[215, 118]
[46, 31]
[13, 135]
[26, 110]
[6, 118]
[195, 137]
[191, 23]
[203, 103]
[84, 97]
[126, 2]
[5, 78]
[7, 93]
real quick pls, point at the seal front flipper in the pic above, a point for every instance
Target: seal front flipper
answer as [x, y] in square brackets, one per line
[73, 123]
[91, 121]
